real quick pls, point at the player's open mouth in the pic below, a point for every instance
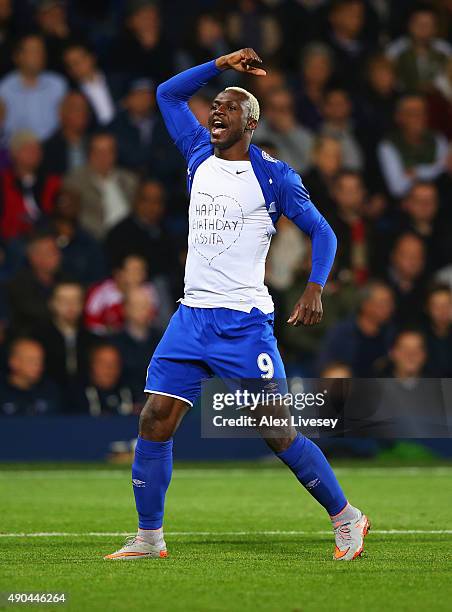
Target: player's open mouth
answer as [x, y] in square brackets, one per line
[218, 128]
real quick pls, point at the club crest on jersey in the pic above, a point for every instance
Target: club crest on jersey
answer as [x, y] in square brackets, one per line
[268, 157]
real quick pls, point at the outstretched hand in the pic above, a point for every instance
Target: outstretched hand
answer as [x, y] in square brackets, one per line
[244, 60]
[308, 310]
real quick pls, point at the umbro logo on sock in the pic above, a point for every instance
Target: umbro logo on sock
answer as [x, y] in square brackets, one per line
[138, 483]
[312, 483]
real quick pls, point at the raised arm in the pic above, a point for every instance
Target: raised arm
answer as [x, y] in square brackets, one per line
[172, 98]
[173, 95]
[297, 206]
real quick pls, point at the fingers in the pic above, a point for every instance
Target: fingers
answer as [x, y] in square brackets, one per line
[305, 314]
[256, 71]
[294, 316]
[251, 62]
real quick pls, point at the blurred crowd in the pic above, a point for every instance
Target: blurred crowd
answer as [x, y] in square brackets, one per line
[93, 208]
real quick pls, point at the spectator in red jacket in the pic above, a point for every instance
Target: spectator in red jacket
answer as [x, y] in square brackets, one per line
[104, 309]
[26, 193]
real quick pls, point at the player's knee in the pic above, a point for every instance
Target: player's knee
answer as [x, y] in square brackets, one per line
[279, 445]
[159, 418]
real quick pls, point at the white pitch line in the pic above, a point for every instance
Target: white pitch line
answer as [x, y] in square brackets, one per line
[68, 534]
[215, 472]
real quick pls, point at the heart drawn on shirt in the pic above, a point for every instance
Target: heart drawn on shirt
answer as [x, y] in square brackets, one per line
[216, 223]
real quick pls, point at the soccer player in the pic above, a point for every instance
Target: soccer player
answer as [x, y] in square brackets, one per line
[224, 324]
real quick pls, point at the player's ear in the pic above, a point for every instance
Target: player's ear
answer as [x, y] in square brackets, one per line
[251, 124]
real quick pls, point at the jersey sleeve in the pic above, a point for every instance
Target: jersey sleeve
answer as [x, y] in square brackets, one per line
[296, 205]
[172, 99]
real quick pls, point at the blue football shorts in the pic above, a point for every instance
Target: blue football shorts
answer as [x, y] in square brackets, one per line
[203, 342]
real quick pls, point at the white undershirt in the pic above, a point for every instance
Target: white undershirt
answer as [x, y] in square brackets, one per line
[229, 236]
[114, 202]
[99, 95]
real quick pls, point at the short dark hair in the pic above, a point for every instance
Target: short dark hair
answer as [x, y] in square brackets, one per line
[38, 236]
[100, 346]
[435, 288]
[405, 331]
[349, 172]
[65, 282]
[23, 39]
[365, 292]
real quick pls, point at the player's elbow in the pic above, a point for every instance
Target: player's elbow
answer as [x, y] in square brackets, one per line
[160, 93]
[332, 237]
[324, 231]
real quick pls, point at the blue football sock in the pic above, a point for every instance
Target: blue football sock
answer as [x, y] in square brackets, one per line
[151, 475]
[312, 469]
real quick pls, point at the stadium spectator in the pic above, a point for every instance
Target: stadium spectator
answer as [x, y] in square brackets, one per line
[438, 330]
[361, 340]
[288, 249]
[411, 152]
[316, 71]
[64, 339]
[295, 17]
[325, 165]
[248, 24]
[24, 391]
[337, 115]
[26, 193]
[439, 100]
[30, 93]
[4, 153]
[421, 56]
[141, 49]
[83, 258]
[349, 224]
[143, 142]
[200, 107]
[137, 341]
[206, 39]
[420, 207]
[346, 39]
[52, 20]
[379, 97]
[336, 369]
[279, 125]
[375, 112]
[406, 277]
[104, 309]
[99, 90]
[407, 356]
[67, 149]
[30, 289]
[339, 299]
[275, 79]
[410, 406]
[142, 232]
[7, 36]
[104, 393]
[106, 189]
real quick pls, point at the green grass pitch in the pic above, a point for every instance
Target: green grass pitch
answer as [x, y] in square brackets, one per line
[240, 539]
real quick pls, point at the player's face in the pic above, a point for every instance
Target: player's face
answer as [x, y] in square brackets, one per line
[228, 119]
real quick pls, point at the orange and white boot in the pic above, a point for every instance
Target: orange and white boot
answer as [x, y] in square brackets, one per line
[136, 547]
[349, 534]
